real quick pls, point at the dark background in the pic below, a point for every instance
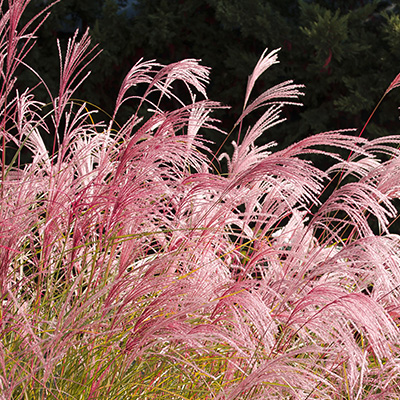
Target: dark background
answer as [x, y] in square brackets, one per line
[346, 52]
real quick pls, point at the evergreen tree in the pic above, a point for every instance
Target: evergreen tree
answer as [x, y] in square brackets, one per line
[346, 52]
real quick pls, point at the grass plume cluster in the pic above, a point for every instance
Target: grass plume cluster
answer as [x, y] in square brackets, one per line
[131, 268]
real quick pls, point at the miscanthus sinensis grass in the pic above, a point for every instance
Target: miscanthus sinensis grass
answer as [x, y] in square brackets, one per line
[131, 269]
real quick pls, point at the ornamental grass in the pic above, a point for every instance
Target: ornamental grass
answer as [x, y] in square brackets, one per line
[134, 266]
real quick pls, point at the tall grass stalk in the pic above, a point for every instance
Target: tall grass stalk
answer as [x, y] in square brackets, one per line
[131, 268]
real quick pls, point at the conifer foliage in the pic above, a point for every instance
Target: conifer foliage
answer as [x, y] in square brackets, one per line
[131, 268]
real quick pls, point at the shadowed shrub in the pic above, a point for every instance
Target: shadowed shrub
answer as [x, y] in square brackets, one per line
[132, 267]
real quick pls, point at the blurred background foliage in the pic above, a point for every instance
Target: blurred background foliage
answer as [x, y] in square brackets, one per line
[346, 52]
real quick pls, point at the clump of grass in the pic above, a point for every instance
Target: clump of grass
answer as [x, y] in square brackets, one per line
[131, 267]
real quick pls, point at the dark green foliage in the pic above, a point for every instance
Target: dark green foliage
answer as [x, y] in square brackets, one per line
[345, 52]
